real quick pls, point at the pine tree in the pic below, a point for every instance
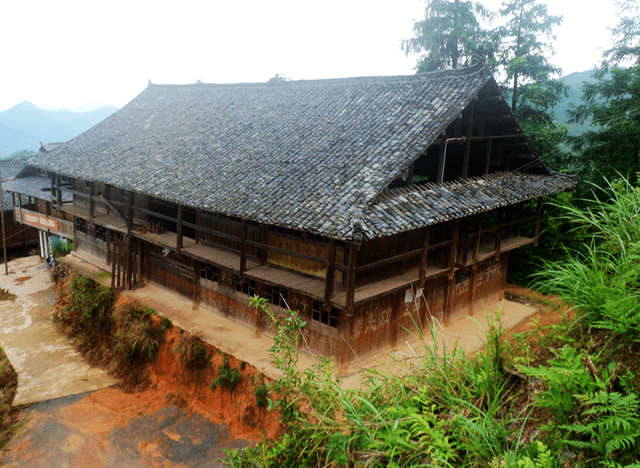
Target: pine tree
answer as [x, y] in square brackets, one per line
[450, 36]
[612, 104]
[523, 58]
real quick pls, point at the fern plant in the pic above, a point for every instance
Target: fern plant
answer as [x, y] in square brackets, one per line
[610, 426]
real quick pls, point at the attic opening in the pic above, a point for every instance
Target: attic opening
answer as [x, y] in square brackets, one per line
[484, 138]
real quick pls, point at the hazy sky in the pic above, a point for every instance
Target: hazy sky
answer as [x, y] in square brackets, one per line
[65, 53]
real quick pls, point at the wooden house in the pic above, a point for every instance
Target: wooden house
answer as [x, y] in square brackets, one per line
[18, 237]
[367, 204]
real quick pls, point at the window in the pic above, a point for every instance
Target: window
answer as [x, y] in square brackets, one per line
[328, 317]
[277, 296]
[209, 272]
[115, 236]
[81, 225]
[101, 233]
[248, 286]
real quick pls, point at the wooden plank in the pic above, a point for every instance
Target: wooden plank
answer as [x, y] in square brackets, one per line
[329, 280]
[386, 261]
[451, 273]
[92, 212]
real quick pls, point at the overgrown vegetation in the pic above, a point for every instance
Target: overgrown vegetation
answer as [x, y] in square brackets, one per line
[228, 377]
[192, 352]
[122, 339]
[8, 386]
[565, 396]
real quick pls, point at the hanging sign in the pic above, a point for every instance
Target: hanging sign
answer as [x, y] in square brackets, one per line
[40, 221]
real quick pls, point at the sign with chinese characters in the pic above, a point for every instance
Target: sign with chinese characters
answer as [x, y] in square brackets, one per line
[41, 221]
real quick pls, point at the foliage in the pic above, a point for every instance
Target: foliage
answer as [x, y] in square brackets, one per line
[450, 36]
[261, 391]
[612, 105]
[601, 279]
[90, 311]
[228, 377]
[449, 411]
[523, 57]
[137, 339]
[20, 154]
[60, 248]
[192, 352]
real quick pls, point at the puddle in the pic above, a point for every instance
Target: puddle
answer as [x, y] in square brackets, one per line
[22, 279]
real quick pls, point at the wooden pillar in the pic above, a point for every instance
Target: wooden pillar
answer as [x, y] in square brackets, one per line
[467, 145]
[351, 278]
[474, 268]
[538, 221]
[197, 267]
[196, 234]
[504, 261]
[179, 230]
[264, 240]
[127, 253]
[92, 213]
[499, 233]
[328, 288]
[58, 193]
[424, 257]
[243, 248]
[451, 283]
[398, 304]
[487, 160]
[410, 175]
[464, 240]
[441, 148]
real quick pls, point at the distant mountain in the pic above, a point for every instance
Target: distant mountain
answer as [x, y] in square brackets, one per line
[24, 125]
[575, 82]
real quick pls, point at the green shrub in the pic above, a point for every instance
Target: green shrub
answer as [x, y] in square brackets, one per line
[90, 309]
[261, 391]
[228, 377]
[60, 248]
[137, 339]
[192, 352]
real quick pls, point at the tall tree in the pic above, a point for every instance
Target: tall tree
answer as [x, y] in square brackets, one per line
[612, 103]
[450, 36]
[523, 57]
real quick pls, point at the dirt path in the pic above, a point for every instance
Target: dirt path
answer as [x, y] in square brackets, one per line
[47, 364]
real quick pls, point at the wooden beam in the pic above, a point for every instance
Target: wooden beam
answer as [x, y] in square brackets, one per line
[328, 288]
[264, 239]
[92, 213]
[451, 283]
[499, 233]
[58, 192]
[179, 230]
[467, 145]
[487, 160]
[243, 248]
[441, 148]
[116, 210]
[410, 175]
[351, 278]
[425, 254]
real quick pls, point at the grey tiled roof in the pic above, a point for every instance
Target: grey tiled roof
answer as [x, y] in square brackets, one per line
[10, 168]
[307, 155]
[418, 206]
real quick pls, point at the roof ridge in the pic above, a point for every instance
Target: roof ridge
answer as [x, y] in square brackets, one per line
[373, 79]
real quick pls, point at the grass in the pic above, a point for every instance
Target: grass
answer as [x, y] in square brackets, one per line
[192, 352]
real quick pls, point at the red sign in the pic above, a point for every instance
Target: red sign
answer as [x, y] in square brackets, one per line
[41, 221]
